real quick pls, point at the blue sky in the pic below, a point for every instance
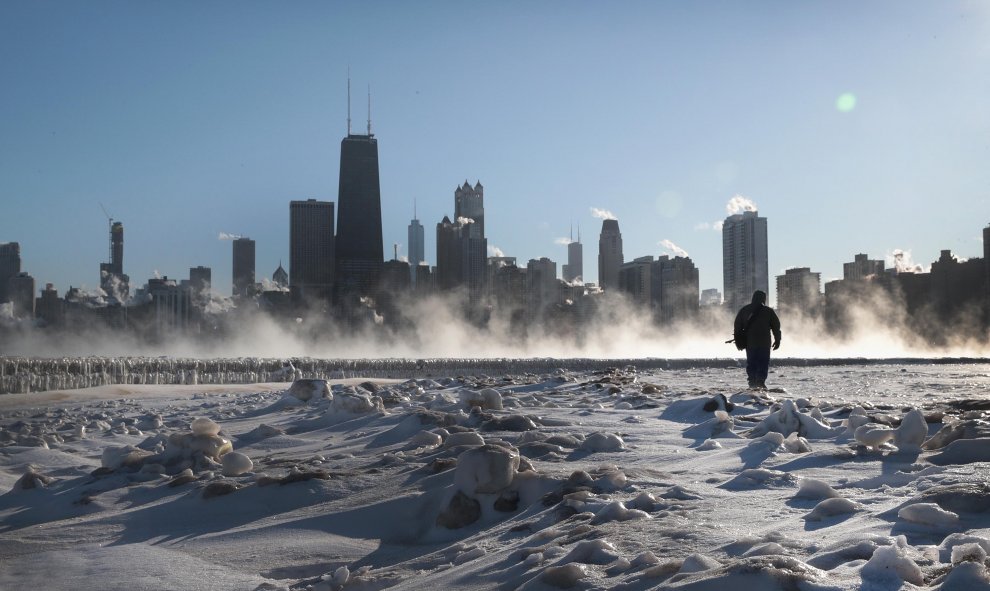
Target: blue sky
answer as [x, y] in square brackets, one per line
[188, 119]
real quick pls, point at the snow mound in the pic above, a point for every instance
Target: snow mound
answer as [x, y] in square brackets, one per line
[928, 514]
[891, 563]
[602, 442]
[788, 419]
[617, 511]
[831, 508]
[485, 469]
[812, 488]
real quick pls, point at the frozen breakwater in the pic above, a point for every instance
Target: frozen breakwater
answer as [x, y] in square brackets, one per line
[23, 374]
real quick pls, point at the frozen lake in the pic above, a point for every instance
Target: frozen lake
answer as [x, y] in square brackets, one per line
[841, 476]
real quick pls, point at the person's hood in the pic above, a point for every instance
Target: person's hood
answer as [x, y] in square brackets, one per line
[759, 297]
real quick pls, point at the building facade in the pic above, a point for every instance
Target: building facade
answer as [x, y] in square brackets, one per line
[10, 266]
[417, 245]
[574, 269]
[359, 249]
[243, 267]
[609, 255]
[862, 267]
[744, 258]
[799, 292]
[311, 249]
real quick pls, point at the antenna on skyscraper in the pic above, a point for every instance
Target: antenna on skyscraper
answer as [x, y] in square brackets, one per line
[414, 208]
[572, 231]
[369, 110]
[348, 101]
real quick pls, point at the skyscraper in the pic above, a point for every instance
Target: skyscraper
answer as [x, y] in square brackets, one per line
[574, 269]
[243, 270]
[744, 258]
[10, 266]
[112, 278]
[609, 255]
[200, 279]
[416, 245]
[359, 250]
[469, 204]
[461, 244]
[311, 249]
[799, 292]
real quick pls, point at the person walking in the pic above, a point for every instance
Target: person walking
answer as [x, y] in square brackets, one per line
[753, 327]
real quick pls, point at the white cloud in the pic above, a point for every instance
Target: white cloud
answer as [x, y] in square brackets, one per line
[226, 236]
[562, 241]
[494, 251]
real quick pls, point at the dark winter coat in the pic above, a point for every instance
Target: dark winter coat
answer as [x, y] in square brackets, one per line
[764, 323]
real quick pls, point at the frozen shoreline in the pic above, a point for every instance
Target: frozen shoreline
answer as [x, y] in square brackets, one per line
[33, 374]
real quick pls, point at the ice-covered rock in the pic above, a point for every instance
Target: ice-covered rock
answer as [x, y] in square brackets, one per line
[309, 389]
[486, 399]
[912, 432]
[204, 426]
[968, 576]
[236, 463]
[602, 442]
[127, 456]
[971, 552]
[463, 438]
[564, 576]
[891, 563]
[963, 451]
[485, 469]
[617, 511]
[353, 402]
[873, 435]
[788, 419]
[948, 545]
[426, 439]
[965, 429]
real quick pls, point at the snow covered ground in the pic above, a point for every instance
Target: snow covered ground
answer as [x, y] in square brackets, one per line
[839, 477]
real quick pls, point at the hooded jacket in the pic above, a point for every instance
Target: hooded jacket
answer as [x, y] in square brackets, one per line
[763, 323]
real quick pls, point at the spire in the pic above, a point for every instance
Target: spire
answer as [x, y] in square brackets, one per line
[348, 100]
[369, 110]
[414, 208]
[572, 230]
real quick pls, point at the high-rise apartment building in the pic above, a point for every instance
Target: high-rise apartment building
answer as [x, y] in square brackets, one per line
[861, 268]
[574, 269]
[20, 293]
[799, 292]
[609, 255]
[243, 268]
[359, 251]
[417, 251]
[200, 279]
[676, 280]
[744, 258]
[10, 266]
[311, 249]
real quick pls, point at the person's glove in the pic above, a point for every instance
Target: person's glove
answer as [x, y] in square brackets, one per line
[776, 344]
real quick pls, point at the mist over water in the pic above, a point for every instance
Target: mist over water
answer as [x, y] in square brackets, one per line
[435, 327]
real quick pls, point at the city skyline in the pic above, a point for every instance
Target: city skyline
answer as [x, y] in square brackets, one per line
[825, 147]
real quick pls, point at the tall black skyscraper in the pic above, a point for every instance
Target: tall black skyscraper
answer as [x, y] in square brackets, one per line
[359, 251]
[10, 266]
[243, 267]
[311, 249]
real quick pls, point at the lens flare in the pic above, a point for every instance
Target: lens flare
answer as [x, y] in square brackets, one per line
[846, 102]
